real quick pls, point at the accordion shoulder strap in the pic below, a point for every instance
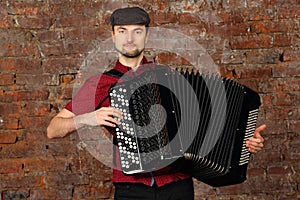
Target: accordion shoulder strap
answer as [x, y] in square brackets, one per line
[114, 73]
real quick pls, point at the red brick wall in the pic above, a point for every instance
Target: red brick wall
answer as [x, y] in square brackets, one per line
[44, 42]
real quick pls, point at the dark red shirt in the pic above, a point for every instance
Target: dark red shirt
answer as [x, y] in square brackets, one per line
[94, 95]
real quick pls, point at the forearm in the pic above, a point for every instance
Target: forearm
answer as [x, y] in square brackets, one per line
[66, 122]
[60, 127]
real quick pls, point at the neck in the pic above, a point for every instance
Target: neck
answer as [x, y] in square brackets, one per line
[134, 63]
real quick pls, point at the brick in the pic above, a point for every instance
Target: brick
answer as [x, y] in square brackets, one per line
[11, 165]
[286, 40]
[6, 79]
[21, 181]
[66, 179]
[101, 176]
[39, 122]
[87, 33]
[66, 79]
[264, 158]
[16, 49]
[232, 57]
[89, 163]
[60, 148]
[192, 30]
[61, 65]
[276, 85]
[41, 164]
[35, 135]
[8, 137]
[170, 59]
[74, 7]
[110, 6]
[290, 85]
[237, 29]
[279, 112]
[22, 149]
[188, 18]
[66, 93]
[58, 48]
[273, 27]
[36, 109]
[276, 127]
[15, 194]
[20, 65]
[18, 8]
[82, 192]
[279, 170]
[262, 41]
[11, 123]
[268, 85]
[294, 126]
[288, 12]
[49, 35]
[5, 22]
[242, 72]
[291, 55]
[53, 49]
[40, 193]
[262, 57]
[256, 172]
[294, 114]
[26, 95]
[230, 190]
[34, 79]
[10, 109]
[230, 17]
[77, 21]
[291, 69]
[257, 13]
[282, 99]
[34, 22]
[164, 18]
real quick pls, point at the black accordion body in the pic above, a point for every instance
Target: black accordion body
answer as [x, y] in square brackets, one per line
[193, 122]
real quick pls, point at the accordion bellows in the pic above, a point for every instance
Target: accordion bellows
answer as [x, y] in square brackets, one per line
[194, 122]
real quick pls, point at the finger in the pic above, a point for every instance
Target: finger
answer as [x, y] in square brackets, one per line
[254, 142]
[259, 130]
[107, 123]
[112, 111]
[254, 149]
[251, 150]
[257, 146]
[112, 120]
[107, 113]
[254, 146]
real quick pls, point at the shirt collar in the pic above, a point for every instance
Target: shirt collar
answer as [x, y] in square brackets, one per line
[122, 68]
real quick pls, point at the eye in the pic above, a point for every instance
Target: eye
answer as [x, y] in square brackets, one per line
[138, 32]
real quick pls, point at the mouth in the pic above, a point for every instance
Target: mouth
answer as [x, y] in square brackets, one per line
[130, 46]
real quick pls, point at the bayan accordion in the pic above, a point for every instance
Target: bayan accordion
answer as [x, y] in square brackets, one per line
[194, 122]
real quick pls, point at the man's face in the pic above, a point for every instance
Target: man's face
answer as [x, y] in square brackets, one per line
[130, 39]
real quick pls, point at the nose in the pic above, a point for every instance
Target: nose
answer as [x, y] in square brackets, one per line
[130, 37]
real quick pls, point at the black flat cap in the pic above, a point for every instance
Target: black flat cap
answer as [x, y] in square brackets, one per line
[130, 16]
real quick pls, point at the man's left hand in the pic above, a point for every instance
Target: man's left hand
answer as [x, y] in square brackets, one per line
[256, 142]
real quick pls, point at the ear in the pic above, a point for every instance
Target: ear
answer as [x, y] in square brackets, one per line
[113, 36]
[147, 36]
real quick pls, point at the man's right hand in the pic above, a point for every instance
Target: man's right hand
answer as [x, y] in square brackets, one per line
[105, 116]
[66, 122]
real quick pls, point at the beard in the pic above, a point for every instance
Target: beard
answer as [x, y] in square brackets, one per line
[134, 54]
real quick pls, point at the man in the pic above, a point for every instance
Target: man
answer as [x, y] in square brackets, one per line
[91, 107]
